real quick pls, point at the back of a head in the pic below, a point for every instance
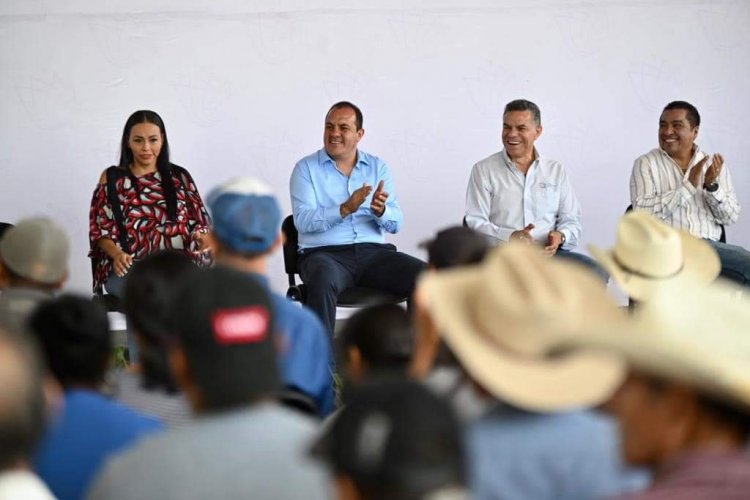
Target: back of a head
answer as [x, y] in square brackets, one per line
[4, 226]
[383, 336]
[22, 403]
[396, 440]
[225, 325]
[150, 299]
[36, 250]
[246, 216]
[73, 334]
[456, 246]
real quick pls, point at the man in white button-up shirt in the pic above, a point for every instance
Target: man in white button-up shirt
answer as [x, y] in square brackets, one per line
[516, 195]
[688, 188]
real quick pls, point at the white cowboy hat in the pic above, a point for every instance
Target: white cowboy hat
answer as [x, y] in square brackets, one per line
[649, 254]
[698, 335]
[500, 318]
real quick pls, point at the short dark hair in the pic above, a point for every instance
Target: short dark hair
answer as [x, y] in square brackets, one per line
[456, 246]
[22, 403]
[395, 439]
[357, 112]
[383, 334]
[150, 297]
[524, 105]
[692, 115]
[73, 333]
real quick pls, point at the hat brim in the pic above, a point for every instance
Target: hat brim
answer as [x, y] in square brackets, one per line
[701, 265]
[673, 359]
[541, 383]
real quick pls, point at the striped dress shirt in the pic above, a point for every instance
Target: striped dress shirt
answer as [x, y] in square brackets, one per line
[659, 186]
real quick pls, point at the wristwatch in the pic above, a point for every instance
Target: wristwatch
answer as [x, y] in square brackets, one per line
[711, 188]
[562, 240]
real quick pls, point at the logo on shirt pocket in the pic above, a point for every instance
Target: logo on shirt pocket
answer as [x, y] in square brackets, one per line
[546, 199]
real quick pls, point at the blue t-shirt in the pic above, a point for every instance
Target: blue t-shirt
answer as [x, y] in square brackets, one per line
[514, 454]
[306, 359]
[89, 430]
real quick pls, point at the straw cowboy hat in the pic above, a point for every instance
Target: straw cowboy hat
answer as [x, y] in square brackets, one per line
[698, 335]
[649, 254]
[501, 317]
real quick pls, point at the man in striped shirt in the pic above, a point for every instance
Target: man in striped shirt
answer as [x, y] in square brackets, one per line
[688, 188]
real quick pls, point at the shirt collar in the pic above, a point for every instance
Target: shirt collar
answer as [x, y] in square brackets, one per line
[324, 158]
[509, 163]
[693, 160]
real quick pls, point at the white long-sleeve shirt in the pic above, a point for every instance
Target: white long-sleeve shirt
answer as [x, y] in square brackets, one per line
[500, 200]
[658, 186]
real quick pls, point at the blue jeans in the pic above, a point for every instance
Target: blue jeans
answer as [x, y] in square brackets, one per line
[735, 262]
[115, 285]
[586, 261]
[328, 271]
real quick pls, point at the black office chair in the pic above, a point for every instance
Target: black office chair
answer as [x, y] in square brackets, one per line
[722, 238]
[110, 303]
[357, 296]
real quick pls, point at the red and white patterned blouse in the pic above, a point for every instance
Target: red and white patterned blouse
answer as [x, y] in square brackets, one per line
[146, 220]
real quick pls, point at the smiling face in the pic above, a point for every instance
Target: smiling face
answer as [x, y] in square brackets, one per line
[341, 136]
[676, 134]
[145, 142]
[520, 131]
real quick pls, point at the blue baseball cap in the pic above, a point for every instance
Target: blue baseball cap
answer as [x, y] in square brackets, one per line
[246, 216]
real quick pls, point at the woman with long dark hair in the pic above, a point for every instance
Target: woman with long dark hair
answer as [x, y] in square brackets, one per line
[142, 205]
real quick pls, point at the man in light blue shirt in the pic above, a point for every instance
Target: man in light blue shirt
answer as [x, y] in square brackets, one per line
[517, 195]
[343, 202]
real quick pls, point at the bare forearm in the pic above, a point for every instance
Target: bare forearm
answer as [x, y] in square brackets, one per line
[109, 247]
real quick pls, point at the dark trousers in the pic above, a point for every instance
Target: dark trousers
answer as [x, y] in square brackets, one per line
[328, 271]
[586, 261]
[735, 262]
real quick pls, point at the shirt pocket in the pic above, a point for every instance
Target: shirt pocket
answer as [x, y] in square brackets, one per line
[546, 199]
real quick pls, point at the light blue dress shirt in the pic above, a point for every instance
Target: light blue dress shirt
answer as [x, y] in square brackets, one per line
[318, 189]
[518, 455]
[500, 200]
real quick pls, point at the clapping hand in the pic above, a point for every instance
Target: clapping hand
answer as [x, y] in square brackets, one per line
[378, 200]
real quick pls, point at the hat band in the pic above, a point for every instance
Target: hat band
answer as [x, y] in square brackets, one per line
[630, 270]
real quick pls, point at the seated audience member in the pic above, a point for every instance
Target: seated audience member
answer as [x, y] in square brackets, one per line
[73, 333]
[344, 202]
[243, 444]
[377, 339]
[455, 246]
[519, 195]
[33, 265]
[395, 440]
[684, 409]
[649, 255]
[22, 418]
[247, 230]
[150, 295]
[688, 188]
[539, 440]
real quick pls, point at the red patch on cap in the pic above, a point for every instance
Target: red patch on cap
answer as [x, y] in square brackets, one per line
[243, 325]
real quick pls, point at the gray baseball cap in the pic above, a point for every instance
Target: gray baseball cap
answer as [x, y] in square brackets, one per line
[36, 249]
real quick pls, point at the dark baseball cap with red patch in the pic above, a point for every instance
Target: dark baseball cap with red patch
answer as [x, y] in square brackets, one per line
[225, 325]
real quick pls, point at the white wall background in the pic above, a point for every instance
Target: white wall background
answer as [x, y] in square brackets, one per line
[243, 87]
